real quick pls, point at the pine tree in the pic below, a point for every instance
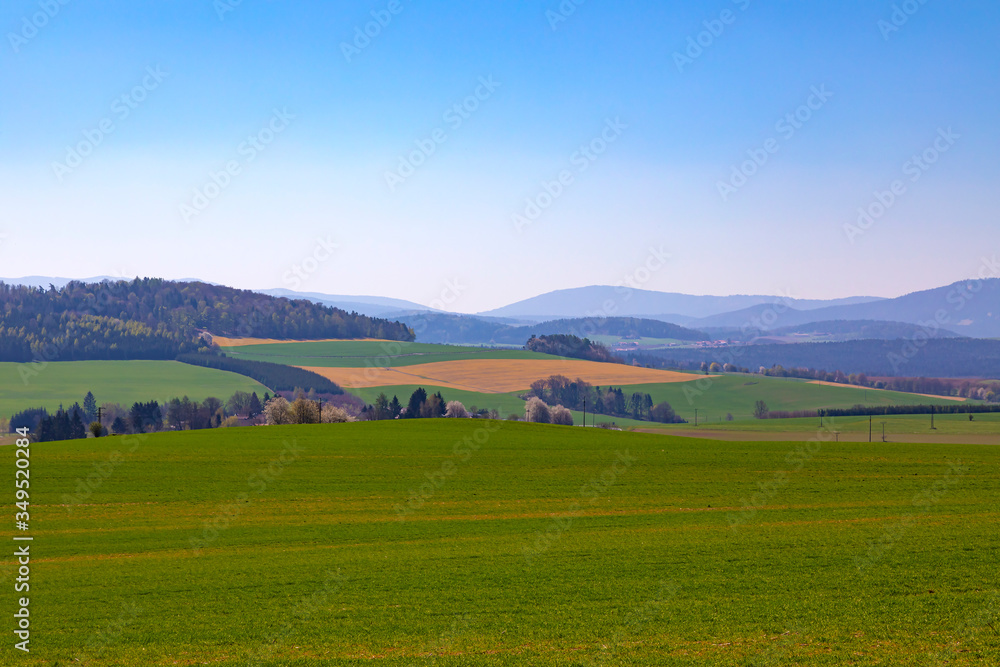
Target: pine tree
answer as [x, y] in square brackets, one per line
[89, 408]
[254, 407]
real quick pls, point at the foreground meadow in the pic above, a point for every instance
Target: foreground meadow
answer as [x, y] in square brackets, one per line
[451, 542]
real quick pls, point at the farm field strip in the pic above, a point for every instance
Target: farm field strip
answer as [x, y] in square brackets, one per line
[364, 354]
[223, 341]
[66, 382]
[502, 375]
[959, 399]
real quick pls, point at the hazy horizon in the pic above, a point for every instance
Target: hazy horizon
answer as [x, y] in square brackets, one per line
[238, 141]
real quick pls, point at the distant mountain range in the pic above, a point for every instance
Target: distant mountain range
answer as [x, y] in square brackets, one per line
[680, 309]
[964, 308]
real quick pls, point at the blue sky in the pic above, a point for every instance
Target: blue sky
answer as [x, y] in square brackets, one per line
[260, 96]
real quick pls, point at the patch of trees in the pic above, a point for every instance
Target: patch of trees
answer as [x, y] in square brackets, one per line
[566, 345]
[276, 376]
[422, 405]
[578, 394]
[151, 318]
[28, 419]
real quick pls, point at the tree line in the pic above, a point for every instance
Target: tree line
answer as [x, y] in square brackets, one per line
[883, 410]
[567, 345]
[277, 376]
[142, 417]
[151, 318]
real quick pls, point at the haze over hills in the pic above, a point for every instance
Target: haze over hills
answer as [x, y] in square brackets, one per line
[967, 308]
[672, 307]
[964, 308]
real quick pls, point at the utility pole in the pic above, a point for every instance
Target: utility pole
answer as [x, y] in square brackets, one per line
[100, 412]
[696, 416]
[869, 427]
[585, 413]
[932, 418]
[883, 431]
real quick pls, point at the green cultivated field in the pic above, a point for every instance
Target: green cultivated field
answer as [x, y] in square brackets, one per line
[358, 354]
[124, 382]
[544, 546]
[714, 397]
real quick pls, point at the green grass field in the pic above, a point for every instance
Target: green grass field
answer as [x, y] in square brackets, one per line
[359, 354]
[737, 394]
[714, 398]
[442, 542]
[66, 382]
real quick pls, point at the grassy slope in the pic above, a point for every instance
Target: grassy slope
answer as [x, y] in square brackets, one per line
[125, 382]
[359, 354]
[650, 572]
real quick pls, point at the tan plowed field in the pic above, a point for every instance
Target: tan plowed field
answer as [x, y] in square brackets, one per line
[498, 376]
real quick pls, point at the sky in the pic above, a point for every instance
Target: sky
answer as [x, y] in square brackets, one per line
[475, 154]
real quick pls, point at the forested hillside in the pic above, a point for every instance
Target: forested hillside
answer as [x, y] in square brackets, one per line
[152, 318]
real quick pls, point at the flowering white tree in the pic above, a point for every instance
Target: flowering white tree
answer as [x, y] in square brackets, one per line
[456, 409]
[536, 411]
[561, 415]
[277, 412]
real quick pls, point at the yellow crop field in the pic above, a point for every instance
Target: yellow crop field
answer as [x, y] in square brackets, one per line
[836, 384]
[498, 376]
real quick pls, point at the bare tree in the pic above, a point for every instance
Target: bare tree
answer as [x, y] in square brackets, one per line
[304, 411]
